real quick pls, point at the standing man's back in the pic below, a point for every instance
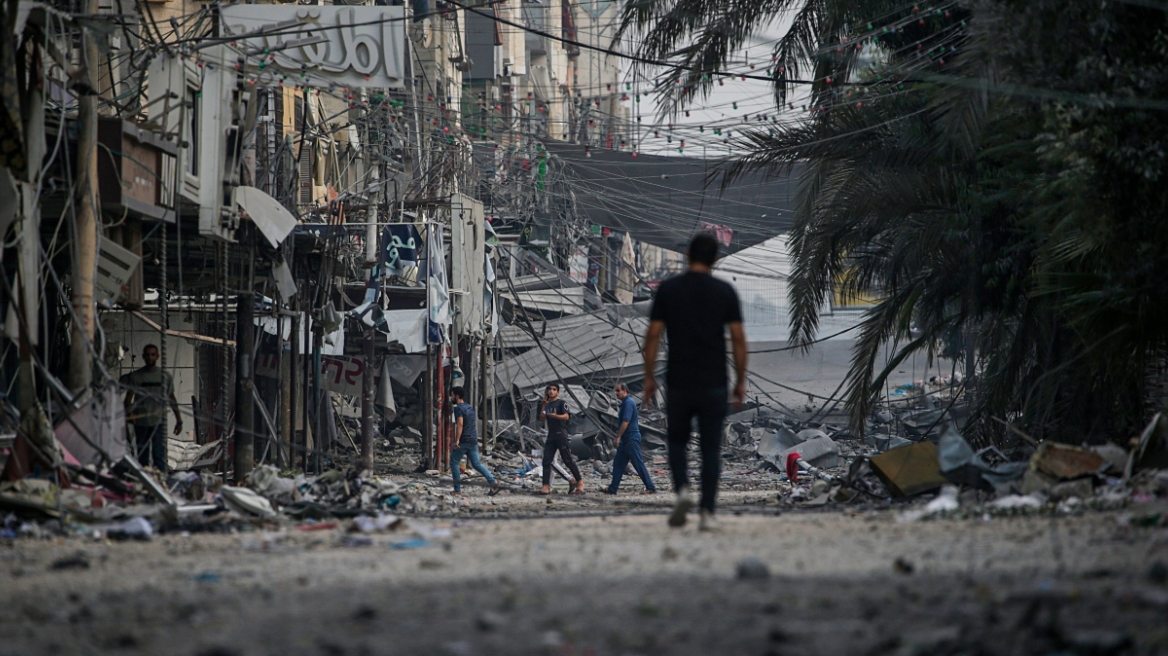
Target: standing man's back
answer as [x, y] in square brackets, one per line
[694, 310]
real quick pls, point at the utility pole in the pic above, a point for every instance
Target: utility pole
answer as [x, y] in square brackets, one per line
[244, 397]
[367, 388]
[85, 225]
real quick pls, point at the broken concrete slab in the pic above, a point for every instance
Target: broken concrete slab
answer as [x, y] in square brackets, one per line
[909, 470]
[885, 442]
[1065, 462]
[1034, 481]
[821, 452]
[1082, 488]
[1114, 455]
[245, 501]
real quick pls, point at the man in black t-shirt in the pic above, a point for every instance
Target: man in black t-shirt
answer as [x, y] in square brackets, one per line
[694, 310]
[555, 412]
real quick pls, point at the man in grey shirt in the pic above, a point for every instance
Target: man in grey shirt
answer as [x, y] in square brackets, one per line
[150, 391]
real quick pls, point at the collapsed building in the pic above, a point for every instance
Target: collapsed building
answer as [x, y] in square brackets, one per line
[324, 221]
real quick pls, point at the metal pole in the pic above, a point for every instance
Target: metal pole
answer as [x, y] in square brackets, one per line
[293, 388]
[367, 404]
[428, 411]
[483, 395]
[244, 396]
[306, 386]
[85, 237]
[317, 433]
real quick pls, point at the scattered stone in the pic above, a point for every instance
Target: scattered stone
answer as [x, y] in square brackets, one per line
[488, 621]
[1097, 641]
[902, 566]
[752, 569]
[1158, 572]
[365, 613]
[1083, 488]
[669, 553]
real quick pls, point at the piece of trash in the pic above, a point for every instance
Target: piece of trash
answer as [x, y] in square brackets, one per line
[909, 470]
[318, 526]
[416, 543]
[752, 569]
[208, 577]
[138, 528]
[381, 522]
[246, 501]
[793, 467]
[357, 541]
[945, 501]
[1015, 502]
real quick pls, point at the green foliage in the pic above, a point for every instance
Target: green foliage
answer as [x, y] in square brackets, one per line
[1010, 196]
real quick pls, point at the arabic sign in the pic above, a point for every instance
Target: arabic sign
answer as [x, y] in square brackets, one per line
[364, 46]
[399, 250]
[343, 375]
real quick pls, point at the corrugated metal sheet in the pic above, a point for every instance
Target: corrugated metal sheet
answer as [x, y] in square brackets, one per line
[594, 353]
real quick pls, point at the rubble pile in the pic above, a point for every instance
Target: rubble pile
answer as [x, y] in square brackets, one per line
[1047, 477]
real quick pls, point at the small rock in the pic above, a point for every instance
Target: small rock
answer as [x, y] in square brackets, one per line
[902, 566]
[1097, 641]
[752, 569]
[1158, 573]
[365, 613]
[489, 621]
[669, 553]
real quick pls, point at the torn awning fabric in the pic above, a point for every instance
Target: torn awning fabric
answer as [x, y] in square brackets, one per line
[399, 249]
[664, 201]
[437, 291]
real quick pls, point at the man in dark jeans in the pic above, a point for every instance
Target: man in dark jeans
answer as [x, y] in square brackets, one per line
[150, 391]
[466, 439]
[694, 310]
[555, 412]
[628, 443]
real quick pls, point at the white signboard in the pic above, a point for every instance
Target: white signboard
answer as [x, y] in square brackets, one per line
[345, 46]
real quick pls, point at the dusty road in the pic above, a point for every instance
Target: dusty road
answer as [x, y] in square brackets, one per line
[603, 576]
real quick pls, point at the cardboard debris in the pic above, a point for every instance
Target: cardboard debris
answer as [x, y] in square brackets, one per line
[909, 470]
[1065, 462]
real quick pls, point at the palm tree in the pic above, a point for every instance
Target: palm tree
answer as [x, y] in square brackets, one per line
[970, 198]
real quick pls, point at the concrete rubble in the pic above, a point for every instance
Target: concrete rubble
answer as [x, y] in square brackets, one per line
[808, 463]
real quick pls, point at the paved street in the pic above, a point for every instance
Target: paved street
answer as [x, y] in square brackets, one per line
[603, 576]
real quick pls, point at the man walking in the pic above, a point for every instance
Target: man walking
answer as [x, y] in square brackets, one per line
[628, 443]
[693, 309]
[146, 401]
[467, 441]
[555, 412]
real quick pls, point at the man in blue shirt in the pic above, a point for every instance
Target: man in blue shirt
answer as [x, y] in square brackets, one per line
[467, 441]
[628, 443]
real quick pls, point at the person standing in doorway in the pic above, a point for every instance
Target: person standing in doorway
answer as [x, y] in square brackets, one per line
[467, 442]
[694, 309]
[628, 443]
[151, 390]
[557, 415]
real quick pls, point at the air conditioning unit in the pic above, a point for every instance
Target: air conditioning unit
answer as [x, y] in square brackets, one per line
[173, 101]
[219, 134]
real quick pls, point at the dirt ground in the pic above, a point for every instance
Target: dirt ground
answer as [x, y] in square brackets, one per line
[602, 575]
